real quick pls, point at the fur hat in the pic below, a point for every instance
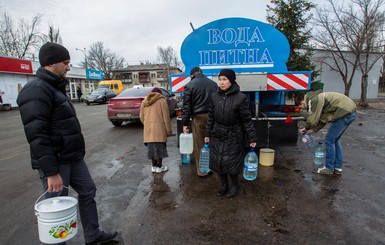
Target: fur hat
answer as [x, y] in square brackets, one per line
[230, 74]
[52, 53]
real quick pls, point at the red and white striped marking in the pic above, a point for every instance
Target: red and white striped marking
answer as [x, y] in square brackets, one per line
[178, 83]
[288, 81]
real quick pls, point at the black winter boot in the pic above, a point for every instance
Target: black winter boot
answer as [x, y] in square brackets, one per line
[234, 186]
[224, 185]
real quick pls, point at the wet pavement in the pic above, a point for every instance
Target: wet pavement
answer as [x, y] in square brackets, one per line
[286, 204]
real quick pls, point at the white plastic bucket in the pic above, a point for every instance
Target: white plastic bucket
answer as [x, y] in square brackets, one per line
[57, 219]
[266, 157]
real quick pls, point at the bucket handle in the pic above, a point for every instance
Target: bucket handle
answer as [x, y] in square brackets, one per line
[44, 194]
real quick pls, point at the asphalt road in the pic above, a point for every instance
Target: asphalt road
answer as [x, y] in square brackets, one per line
[287, 204]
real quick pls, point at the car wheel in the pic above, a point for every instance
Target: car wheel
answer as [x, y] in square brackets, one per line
[117, 123]
[88, 103]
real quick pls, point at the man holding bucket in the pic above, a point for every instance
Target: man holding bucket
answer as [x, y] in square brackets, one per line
[56, 142]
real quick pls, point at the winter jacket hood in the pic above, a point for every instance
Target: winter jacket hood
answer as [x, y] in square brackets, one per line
[152, 98]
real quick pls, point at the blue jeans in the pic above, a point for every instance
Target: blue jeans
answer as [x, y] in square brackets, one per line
[78, 177]
[332, 141]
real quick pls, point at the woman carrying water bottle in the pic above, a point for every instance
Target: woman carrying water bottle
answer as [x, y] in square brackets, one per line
[229, 121]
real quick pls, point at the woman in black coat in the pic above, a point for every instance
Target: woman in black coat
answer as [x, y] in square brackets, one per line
[228, 127]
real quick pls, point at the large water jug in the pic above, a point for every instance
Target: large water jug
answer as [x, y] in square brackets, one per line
[319, 156]
[309, 141]
[204, 160]
[250, 169]
[185, 143]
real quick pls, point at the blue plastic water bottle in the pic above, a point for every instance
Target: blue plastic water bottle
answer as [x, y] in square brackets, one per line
[250, 169]
[185, 158]
[204, 161]
[319, 156]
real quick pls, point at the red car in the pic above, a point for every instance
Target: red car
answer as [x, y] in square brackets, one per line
[126, 105]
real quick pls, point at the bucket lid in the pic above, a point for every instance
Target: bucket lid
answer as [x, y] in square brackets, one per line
[267, 150]
[56, 204]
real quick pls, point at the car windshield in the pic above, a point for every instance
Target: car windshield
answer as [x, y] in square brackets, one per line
[98, 91]
[135, 92]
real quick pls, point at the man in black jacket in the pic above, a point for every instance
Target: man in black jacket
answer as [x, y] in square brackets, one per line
[196, 104]
[56, 141]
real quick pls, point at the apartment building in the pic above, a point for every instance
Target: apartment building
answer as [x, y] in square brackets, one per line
[150, 75]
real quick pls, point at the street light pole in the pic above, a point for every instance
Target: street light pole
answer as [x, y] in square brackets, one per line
[84, 51]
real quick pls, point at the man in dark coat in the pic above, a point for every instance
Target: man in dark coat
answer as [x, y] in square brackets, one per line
[228, 121]
[56, 141]
[196, 103]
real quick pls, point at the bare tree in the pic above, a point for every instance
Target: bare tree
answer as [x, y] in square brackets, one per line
[53, 35]
[350, 33]
[103, 59]
[372, 30]
[19, 40]
[168, 57]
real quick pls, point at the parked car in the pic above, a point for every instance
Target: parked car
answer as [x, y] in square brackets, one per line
[126, 106]
[100, 96]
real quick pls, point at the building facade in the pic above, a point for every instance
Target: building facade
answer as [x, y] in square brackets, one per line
[152, 75]
[15, 73]
[333, 82]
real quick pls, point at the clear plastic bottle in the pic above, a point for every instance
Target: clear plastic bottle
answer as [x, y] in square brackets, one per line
[186, 143]
[309, 141]
[185, 158]
[250, 169]
[319, 156]
[204, 160]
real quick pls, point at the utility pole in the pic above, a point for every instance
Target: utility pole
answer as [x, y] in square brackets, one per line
[84, 51]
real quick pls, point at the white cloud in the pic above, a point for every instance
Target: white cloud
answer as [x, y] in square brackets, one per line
[132, 28]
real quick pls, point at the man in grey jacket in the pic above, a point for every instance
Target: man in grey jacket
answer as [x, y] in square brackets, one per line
[196, 104]
[56, 142]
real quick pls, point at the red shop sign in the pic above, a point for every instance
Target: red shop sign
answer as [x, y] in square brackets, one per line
[15, 65]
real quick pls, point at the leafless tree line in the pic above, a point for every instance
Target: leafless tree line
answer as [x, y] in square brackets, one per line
[353, 35]
[351, 31]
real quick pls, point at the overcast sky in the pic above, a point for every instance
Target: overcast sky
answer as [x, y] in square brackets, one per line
[133, 29]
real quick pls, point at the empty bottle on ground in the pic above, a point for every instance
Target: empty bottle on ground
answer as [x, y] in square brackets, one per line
[250, 169]
[204, 160]
[319, 156]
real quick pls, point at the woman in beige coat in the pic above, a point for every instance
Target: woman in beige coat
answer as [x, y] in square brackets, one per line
[155, 116]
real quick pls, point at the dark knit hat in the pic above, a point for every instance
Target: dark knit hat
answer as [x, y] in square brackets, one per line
[230, 74]
[52, 53]
[194, 70]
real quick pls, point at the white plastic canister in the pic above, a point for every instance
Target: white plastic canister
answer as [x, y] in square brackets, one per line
[186, 145]
[57, 219]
